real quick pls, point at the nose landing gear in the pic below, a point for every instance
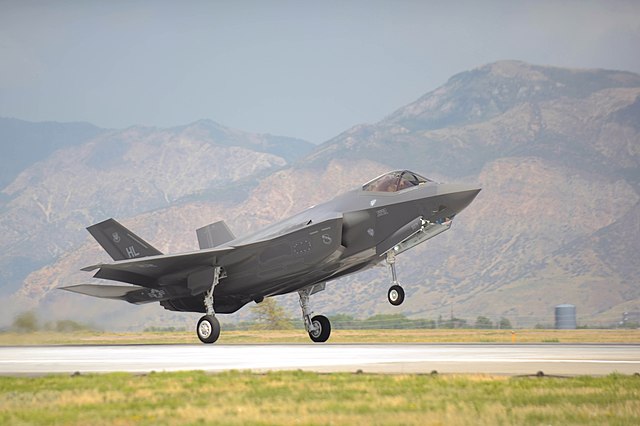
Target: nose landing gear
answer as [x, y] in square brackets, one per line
[395, 295]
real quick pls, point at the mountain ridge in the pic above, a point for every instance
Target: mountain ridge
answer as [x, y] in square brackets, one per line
[122, 173]
[559, 167]
[25, 143]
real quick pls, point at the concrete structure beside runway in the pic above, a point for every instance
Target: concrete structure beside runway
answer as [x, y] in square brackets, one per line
[518, 359]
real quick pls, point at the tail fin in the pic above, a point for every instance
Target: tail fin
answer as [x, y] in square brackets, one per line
[119, 242]
[214, 235]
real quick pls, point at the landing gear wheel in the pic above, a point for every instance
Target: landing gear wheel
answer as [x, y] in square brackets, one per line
[208, 329]
[322, 329]
[395, 295]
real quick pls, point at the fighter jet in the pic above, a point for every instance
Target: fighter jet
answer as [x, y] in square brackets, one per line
[357, 230]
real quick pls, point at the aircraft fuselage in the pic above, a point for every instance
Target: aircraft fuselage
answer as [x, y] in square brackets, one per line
[313, 247]
[353, 231]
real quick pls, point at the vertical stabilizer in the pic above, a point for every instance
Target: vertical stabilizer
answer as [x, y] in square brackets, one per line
[214, 235]
[120, 242]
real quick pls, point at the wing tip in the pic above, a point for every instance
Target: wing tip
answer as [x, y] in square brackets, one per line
[91, 268]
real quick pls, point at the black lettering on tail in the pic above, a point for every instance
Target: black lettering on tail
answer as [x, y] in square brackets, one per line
[120, 242]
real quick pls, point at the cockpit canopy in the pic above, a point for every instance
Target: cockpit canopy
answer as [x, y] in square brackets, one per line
[395, 181]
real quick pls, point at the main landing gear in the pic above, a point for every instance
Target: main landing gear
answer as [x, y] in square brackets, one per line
[318, 327]
[208, 328]
[395, 293]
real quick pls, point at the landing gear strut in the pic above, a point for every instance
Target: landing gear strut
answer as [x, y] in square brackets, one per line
[318, 327]
[208, 328]
[396, 292]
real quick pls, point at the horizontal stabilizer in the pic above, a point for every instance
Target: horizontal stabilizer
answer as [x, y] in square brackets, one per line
[130, 293]
[214, 235]
[120, 242]
[103, 291]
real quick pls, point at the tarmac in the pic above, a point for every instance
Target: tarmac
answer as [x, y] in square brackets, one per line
[494, 359]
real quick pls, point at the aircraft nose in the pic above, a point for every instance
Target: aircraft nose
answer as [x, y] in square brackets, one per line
[460, 196]
[471, 193]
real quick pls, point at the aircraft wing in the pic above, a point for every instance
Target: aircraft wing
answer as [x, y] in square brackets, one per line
[157, 266]
[163, 270]
[195, 269]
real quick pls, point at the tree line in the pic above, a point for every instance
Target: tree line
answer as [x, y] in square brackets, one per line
[269, 315]
[28, 322]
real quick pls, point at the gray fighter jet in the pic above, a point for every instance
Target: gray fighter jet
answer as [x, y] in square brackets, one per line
[354, 231]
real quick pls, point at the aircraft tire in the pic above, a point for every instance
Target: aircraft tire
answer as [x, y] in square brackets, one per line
[208, 329]
[323, 333]
[395, 295]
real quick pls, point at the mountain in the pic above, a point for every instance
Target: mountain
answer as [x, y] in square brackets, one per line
[123, 173]
[24, 143]
[506, 109]
[557, 152]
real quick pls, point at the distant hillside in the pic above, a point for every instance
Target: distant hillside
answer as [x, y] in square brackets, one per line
[24, 143]
[123, 173]
[506, 109]
[557, 152]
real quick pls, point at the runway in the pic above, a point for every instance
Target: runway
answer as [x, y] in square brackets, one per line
[520, 359]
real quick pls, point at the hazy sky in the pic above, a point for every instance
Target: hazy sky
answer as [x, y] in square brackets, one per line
[309, 69]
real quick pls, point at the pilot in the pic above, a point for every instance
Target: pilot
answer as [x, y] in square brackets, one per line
[388, 184]
[404, 184]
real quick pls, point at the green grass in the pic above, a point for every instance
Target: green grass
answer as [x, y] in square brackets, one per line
[309, 398]
[337, 336]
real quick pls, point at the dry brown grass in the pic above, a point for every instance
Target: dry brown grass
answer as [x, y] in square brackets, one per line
[337, 336]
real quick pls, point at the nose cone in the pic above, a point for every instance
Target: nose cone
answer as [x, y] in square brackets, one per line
[458, 197]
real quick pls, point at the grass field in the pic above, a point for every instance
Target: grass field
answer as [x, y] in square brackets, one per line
[337, 336]
[296, 397]
[310, 398]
